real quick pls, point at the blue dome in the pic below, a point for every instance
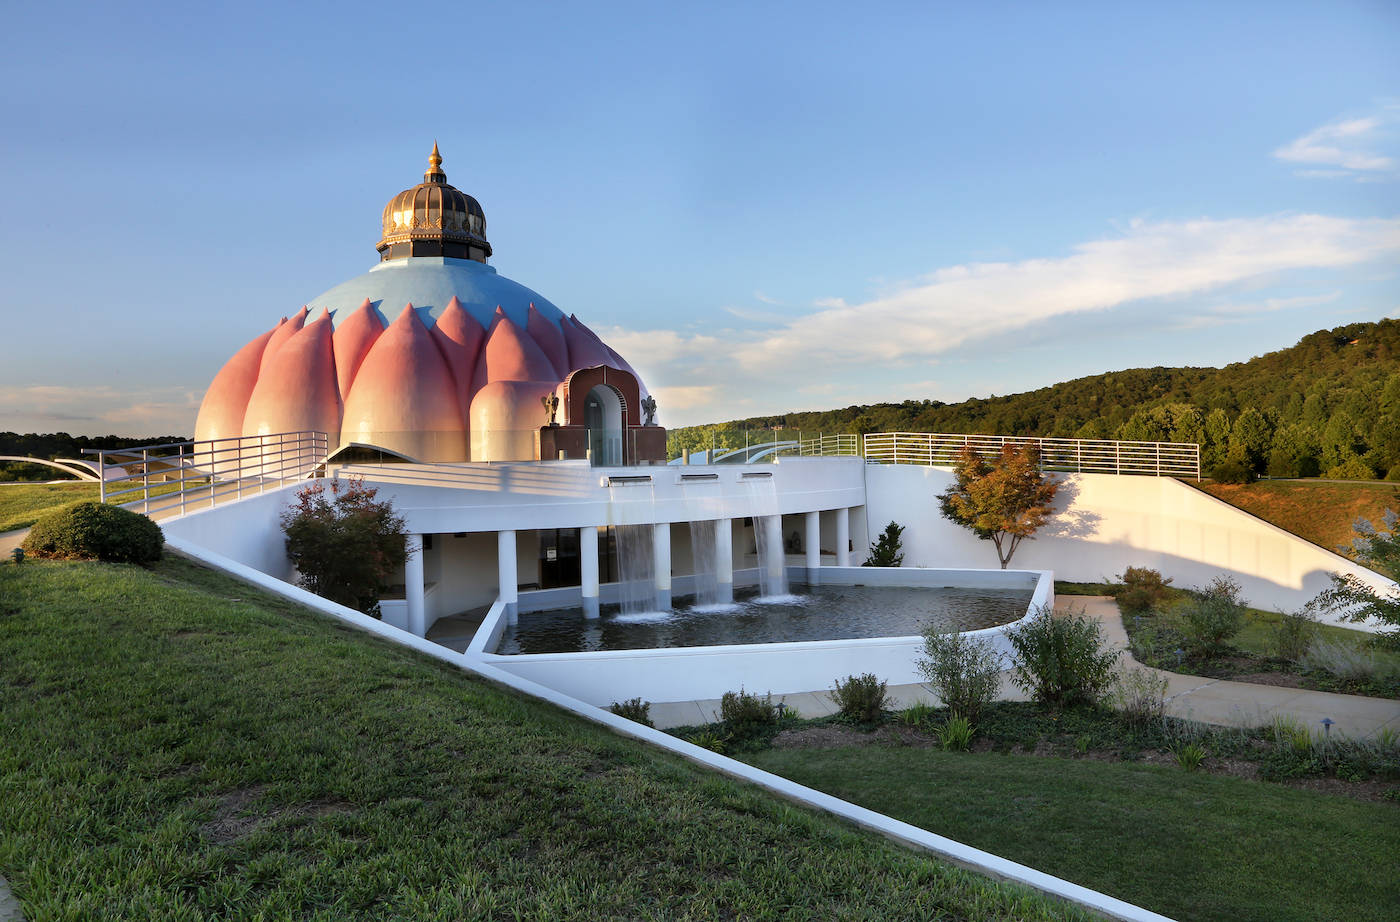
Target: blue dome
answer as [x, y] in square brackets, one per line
[430, 282]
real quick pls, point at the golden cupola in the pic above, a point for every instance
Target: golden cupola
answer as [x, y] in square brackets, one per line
[434, 219]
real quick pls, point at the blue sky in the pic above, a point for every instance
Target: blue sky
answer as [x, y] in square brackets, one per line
[765, 207]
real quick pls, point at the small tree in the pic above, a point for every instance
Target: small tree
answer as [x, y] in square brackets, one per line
[887, 549]
[345, 545]
[1005, 500]
[1379, 549]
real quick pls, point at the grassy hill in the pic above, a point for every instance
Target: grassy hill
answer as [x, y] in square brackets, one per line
[1328, 405]
[178, 746]
[1318, 511]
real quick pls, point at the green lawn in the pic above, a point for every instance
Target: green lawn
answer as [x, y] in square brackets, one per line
[177, 746]
[1190, 846]
[22, 504]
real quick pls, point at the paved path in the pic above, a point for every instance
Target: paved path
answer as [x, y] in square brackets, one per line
[1214, 701]
[9, 906]
[9, 540]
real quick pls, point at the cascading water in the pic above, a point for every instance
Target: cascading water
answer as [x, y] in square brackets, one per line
[636, 569]
[631, 508]
[768, 538]
[702, 547]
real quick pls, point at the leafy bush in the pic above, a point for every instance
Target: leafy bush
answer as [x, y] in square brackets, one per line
[1232, 470]
[1358, 600]
[861, 698]
[1140, 696]
[1211, 617]
[1061, 661]
[963, 671]
[1294, 635]
[887, 549]
[1350, 469]
[746, 713]
[346, 546]
[89, 530]
[1143, 589]
[635, 710]
[957, 733]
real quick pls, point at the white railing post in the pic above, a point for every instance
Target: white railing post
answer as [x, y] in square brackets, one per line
[102, 476]
[145, 481]
[1157, 447]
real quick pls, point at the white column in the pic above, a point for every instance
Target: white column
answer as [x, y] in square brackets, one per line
[813, 547]
[506, 573]
[777, 556]
[724, 559]
[661, 556]
[588, 564]
[843, 537]
[413, 586]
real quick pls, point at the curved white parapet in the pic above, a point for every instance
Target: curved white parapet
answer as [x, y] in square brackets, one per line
[702, 673]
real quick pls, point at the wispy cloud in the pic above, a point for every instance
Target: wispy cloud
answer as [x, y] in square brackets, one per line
[1351, 147]
[99, 409]
[955, 307]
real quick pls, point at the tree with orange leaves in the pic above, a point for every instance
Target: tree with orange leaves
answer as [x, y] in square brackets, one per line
[1004, 500]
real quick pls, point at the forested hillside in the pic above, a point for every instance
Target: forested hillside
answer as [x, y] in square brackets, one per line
[1328, 406]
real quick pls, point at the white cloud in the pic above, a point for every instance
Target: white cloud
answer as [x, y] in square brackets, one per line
[957, 306]
[1347, 147]
[99, 409]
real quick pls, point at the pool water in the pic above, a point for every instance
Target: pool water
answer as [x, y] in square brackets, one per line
[821, 613]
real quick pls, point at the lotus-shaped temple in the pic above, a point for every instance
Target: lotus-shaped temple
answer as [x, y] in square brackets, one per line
[434, 356]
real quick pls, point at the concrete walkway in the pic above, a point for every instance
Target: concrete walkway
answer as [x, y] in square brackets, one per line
[1213, 701]
[9, 906]
[9, 540]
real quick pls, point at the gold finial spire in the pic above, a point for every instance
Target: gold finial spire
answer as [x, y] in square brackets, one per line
[435, 173]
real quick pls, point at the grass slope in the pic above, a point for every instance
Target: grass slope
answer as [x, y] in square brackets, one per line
[177, 746]
[21, 505]
[1320, 512]
[1190, 846]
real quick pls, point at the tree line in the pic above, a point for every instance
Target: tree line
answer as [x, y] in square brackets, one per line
[53, 445]
[1328, 406]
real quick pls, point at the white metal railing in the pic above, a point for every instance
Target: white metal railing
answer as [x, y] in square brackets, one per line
[1089, 456]
[179, 476]
[846, 443]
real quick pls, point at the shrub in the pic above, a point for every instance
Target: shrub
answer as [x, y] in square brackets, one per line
[745, 713]
[1140, 696]
[957, 733]
[1211, 617]
[1232, 470]
[963, 671]
[346, 546]
[1190, 756]
[1061, 661]
[1294, 635]
[887, 549]
[1142, 590]
[861, 698]
[708, 739]
[1350, 469]
[89, 530]
[635, 710]
[918, 715]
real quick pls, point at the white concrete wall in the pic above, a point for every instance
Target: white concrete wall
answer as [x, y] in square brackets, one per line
[1107, 523]
[248, 531]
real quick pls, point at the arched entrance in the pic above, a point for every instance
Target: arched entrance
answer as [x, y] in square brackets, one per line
[602, 414]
